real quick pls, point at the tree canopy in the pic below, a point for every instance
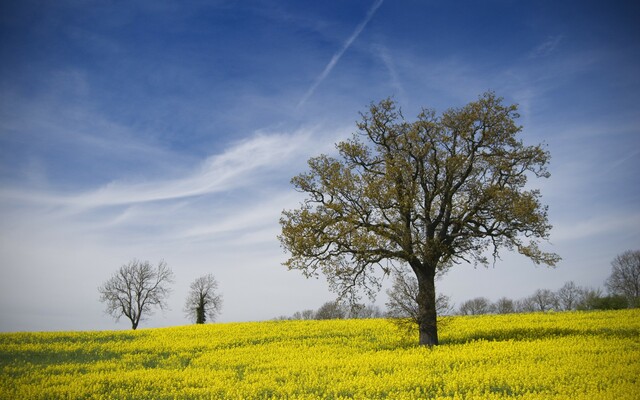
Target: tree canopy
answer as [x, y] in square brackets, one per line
[430, 193]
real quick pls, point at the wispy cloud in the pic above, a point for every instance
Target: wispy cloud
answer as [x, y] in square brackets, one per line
[237, 166]
[336, 57]
[386, 58]
[547, 47]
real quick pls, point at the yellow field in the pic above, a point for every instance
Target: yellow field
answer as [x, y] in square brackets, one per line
[578, 355]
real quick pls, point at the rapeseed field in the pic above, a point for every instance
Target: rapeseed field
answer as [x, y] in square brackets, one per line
[569, 355]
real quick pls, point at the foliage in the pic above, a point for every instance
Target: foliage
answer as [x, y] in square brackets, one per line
[607, 303]
[136, 289]
[575, 355]
[429, 193]
[203, 302]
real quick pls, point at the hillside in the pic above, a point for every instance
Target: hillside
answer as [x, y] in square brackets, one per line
[577, 355]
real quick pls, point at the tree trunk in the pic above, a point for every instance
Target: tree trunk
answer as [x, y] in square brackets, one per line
[200, 315]
[427, 315]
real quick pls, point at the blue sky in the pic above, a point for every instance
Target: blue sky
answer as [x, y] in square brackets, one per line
[171, 131]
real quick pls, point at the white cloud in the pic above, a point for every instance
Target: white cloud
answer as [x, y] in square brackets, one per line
[240, 165]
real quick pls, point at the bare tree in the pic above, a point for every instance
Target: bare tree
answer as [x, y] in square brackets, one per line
[361, 311]
[526, 305]
[544, 300]
[304, 314]
[504, 305]
[203, 302]
[625, 277]
[403, 297]
[589, 298]
[430, 193]
[331, 310]
[135, 289]
[568, 296]
[479, 305]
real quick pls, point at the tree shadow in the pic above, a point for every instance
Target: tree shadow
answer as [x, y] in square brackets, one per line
[540, 333]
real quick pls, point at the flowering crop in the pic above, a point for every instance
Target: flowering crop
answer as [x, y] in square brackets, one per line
[574, 355]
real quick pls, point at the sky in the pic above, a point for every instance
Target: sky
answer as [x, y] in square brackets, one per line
[170, 131]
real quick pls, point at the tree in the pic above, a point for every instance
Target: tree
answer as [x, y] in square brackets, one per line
[403, 297]
[544, 300]
[504, 305]
[568, 296]
[477, 306]
[203, 302]
[135, 289]
[304, 314]
[613, 302]
[427, 194]
[589, 298]
[331, 310]
[362, 311]
[526, 305]
[625, 277]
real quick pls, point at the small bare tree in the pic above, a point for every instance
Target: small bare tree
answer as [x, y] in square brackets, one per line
[135, 289]
[504, 305]
[362, 311]
[568, 296]
[203, 303]
[403, 297]
[589, 298]
[526, 305]
[625, 277]
[544, 300]
[331, 310]
[304, 315]
[477, 306]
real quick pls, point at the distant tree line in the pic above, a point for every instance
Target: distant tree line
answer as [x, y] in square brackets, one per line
[337, 310]
[623, 291]
[569, 297]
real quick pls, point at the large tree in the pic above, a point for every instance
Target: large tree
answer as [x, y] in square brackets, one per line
[135, 289]
[203, 302]
[625, 277]
[429, 193]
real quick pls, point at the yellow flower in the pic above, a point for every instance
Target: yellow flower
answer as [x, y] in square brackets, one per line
[576, 355]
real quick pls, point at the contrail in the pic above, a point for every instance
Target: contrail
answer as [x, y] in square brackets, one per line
[336, 57]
